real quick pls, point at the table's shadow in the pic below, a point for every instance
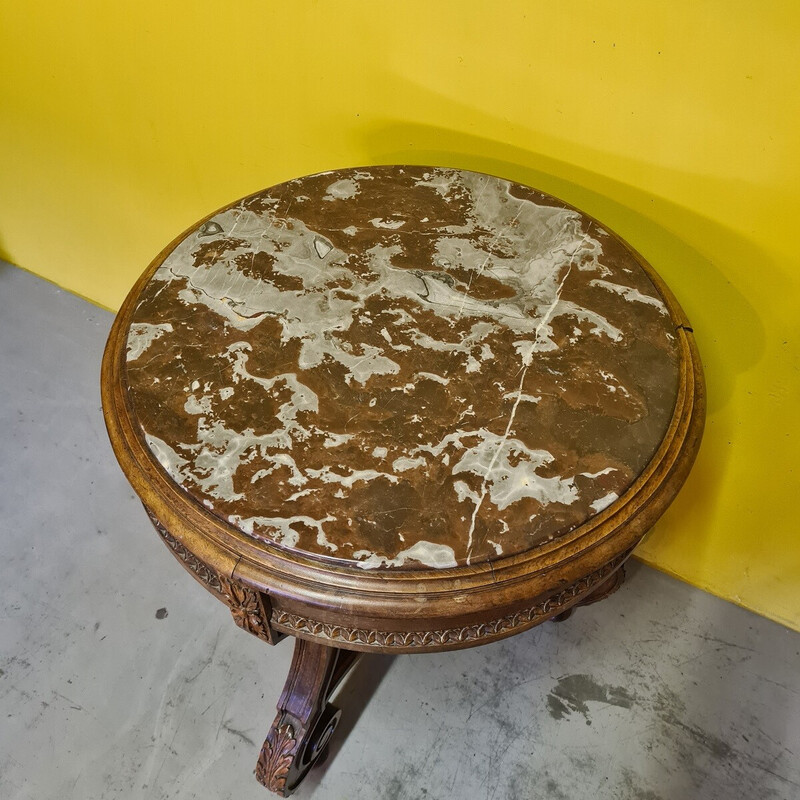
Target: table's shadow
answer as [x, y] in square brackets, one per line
[353, 696]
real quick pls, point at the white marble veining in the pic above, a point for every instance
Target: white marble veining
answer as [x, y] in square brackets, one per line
[502, 281]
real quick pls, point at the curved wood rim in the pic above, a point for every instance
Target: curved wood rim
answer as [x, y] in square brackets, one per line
[303, 584]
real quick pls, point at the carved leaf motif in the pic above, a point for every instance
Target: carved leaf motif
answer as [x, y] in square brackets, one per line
[541, 611]
[200, 568]
[276, 757]
[249, 614]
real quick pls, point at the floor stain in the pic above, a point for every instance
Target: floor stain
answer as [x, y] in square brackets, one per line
[244, 737]
[718, 748]
[671, 709]
[554, 791]
[633, 789]
[573, 693]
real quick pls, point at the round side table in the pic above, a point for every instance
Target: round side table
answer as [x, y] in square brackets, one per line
[399, 409]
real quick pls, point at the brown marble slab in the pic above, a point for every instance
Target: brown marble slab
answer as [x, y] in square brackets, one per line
[402, 367]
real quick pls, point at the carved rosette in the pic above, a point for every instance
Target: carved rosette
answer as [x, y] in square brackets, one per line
[247, 608]
[276, 757]
[251, 611]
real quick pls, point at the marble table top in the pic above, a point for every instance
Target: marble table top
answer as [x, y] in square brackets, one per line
[402, 367]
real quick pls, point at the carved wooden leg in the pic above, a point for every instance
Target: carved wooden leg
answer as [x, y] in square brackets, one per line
[305, 722]
[606, 588]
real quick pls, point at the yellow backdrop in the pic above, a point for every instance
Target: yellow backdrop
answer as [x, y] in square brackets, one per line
[677, 124]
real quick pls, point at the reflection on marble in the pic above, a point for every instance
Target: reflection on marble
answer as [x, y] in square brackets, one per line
[402, 367]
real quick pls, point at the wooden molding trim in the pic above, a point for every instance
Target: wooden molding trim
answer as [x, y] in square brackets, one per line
[249, 607]
[447, 638]
[252, 612]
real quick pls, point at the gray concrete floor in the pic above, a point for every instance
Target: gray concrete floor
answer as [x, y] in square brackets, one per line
[661, 691]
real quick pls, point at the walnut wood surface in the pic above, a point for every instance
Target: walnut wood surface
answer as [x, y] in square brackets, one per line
[408, 605]
[305, 721]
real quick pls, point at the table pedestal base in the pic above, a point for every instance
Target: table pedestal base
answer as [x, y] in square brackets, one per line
[305, 722]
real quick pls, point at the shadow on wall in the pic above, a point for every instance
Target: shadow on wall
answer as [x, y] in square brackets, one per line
[5, 256]
[632, 213]
[728, 329]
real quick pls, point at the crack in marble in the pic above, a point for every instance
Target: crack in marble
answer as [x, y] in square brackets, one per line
[333, 350]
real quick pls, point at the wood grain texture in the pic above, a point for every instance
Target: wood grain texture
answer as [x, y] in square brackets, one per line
[305, 722]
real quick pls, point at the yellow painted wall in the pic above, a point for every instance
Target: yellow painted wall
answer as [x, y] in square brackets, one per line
[676, 123]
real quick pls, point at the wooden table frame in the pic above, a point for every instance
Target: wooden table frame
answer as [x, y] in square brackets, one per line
[334, 611]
